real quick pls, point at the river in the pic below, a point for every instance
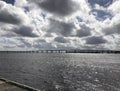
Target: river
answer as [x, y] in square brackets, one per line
[63, 71]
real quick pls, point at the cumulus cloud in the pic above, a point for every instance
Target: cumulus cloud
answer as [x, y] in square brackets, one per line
[61, 40]
[61, 28]
[57, 7]
[12, 15]
[61, 24]
[6, 17]
[14, 21]
[37, 43]
[25, 31]
[95, 40]
[18, 31]
[20, 3]
[113, 26]
[115, 29]
[84, 31]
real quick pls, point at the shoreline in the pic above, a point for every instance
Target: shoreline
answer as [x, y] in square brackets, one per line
[18, 85]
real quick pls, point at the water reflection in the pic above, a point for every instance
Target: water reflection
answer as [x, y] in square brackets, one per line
[63, 72]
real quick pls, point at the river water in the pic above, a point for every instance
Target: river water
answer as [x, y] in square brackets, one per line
[63, 71]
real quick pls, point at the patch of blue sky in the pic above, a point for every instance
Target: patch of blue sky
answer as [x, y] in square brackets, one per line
[79, 19]
[26, 9]
[6, 42]
[2, 42]
[43, 15]
[10, 1]
[101, 15]
[104, 3]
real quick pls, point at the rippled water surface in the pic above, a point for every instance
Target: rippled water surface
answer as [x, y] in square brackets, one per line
[63, 72]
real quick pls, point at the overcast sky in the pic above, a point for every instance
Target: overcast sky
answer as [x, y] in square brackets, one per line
[59, 24]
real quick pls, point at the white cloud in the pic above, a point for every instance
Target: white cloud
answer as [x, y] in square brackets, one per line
[20, 3]
[39, 24]
[11, 14]
[14, 20]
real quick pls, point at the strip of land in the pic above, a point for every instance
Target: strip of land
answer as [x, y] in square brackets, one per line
[7, 85]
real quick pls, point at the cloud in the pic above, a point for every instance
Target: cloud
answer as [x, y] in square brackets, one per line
[26, 42]
[18, 31]
[36, 43]
[58, 7]
[115, 29]
[112, 26]
[61, 24]
[14, 22]
[95, 40]
[25, 31]
[115, 7]
[6, 17]
[20, 3]
[84, 31]
[61, 28]
[61, 40]
[12, 15]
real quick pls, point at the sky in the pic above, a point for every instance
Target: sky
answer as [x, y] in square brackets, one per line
[59, 24]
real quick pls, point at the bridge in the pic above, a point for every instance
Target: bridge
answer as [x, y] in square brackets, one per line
[64, 51]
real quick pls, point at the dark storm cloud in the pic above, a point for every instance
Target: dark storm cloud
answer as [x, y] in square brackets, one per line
[58, 7]
[61, 40]
[25, 31]
[115, 29]
[7, 17]
[84, 31]
[61, 28]
[95, 40]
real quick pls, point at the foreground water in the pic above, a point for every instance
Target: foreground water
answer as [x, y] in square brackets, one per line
[63, 72]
